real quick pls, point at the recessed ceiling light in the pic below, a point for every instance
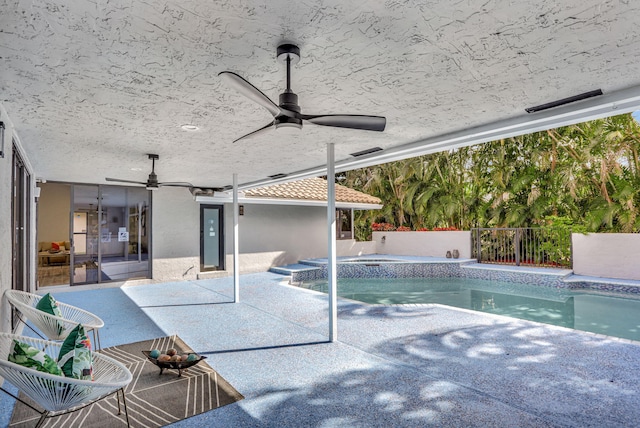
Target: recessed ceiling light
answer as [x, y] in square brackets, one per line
[190, 128]
[136, 169]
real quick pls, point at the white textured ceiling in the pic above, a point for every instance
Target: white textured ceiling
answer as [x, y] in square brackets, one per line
[91, 87]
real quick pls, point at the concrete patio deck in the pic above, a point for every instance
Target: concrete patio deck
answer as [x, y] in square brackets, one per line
[393, 366]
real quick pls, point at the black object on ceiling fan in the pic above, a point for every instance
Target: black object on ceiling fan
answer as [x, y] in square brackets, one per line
[287, 114]
[152, 182]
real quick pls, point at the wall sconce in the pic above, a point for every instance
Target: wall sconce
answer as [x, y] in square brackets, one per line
[384, 238]
[1, 139]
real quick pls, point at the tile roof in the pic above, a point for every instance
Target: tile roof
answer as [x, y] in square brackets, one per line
[314, 189]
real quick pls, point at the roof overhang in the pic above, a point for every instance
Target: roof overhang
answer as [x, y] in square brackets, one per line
[624, 101]
[226, 198]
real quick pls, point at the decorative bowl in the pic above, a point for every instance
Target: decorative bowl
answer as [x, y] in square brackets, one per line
[175, 365]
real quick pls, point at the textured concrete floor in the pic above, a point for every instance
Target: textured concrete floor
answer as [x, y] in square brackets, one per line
[393, 366]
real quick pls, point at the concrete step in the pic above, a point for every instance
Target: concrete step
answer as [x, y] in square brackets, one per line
[293, 268]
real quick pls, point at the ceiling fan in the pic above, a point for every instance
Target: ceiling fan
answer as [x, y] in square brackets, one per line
[288, 114]
[152, 182]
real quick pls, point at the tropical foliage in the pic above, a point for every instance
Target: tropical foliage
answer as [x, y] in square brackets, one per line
[584, 176]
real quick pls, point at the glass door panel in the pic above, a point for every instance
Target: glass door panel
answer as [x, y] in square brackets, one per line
[211, 238]
[123, 233]
[85, 224]
[54, 234]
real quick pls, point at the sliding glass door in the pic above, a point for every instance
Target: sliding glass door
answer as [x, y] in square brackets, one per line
[92, 234]
[21, 224]
[124, 239]
[85, 251]
[54, 234]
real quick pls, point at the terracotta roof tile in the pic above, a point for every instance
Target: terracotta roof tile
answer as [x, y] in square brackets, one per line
[314, 189]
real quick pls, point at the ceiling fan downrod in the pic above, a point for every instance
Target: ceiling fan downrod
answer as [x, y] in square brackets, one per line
[289, 54]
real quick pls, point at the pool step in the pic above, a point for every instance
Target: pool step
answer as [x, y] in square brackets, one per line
[549, 277]
[603, 284]
[294, 269]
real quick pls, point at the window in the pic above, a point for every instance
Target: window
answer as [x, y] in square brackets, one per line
[344, 223]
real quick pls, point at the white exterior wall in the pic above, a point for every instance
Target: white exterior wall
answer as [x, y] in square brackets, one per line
[427, 244]
[270, 235]
[276, 235]
[607, 255]
[175, 234]
[351, 247]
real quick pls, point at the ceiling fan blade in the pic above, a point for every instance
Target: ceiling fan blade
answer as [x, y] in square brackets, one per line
[250, 91]
[354, 121]
[257, 131]
[125, 181]
[176, 184]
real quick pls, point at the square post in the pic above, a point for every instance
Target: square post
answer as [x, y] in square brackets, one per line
[331, 232]
[236, 255]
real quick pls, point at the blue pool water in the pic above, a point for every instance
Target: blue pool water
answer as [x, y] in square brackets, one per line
[611, 314]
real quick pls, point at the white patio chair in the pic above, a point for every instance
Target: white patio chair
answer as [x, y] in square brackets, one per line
[53, 327]
[59, 395]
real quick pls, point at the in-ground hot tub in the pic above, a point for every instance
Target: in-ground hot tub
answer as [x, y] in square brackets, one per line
[381, 267]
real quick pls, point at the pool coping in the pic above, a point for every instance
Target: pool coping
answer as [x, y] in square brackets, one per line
[418, 266]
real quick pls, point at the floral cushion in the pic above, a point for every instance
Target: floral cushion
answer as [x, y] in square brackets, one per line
[49, 305]
[28, 356]
[75, 358]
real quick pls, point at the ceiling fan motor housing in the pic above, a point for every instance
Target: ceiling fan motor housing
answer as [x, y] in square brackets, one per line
[153, 180]
[289, 101]
[288, 122]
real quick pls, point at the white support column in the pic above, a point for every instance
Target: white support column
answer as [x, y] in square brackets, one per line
[332, 276]
[353, 225]
[236, 254]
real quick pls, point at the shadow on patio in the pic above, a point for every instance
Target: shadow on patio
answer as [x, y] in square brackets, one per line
[392, 366]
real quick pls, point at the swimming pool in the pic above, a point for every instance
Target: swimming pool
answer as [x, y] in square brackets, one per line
[612, 314]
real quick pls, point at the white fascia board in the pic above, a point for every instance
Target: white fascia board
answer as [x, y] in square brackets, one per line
[615, 103]
[227, 199]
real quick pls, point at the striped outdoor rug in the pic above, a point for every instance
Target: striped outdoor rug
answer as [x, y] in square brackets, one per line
[153, 400]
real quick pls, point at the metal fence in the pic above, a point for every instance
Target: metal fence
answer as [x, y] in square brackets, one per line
[544, 247]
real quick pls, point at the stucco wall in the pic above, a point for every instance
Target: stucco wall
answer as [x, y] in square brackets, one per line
[269, 235]
[351, 247]
[428, 244]
[607, 255]
[275, 235]
[175, 234]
